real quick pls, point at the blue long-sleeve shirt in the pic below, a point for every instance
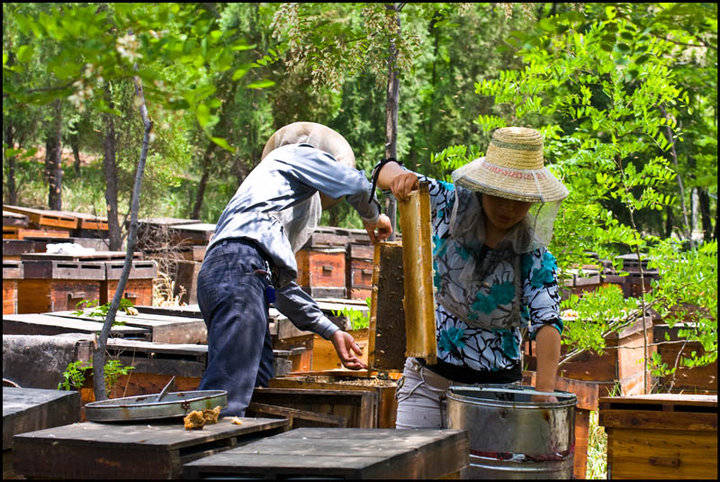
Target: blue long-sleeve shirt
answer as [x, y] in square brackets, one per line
[286, 177]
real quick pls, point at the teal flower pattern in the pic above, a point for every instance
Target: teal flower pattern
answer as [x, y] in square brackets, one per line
[546, 273]
[503, 293]
[484, 303]
[451, 339]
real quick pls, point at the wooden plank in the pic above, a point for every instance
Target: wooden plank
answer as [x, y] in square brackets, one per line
[345, 453]
[39, 324]
[296, 418]
[387, 340]
[661, 401]
[157, 450]
[658, 420]
[419, 299]
[30, 409]
[357, 406]
[52, 269]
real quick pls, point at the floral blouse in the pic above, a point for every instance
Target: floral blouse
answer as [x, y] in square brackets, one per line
[494, 349]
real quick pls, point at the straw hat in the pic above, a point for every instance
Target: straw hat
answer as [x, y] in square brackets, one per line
[317, 135]
[513, 168]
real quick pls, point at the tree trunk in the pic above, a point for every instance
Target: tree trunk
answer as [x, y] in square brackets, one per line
[76, 152]
[99, 353]
[391, 112]
[53, 159]
[9, 139]
[110, 170]
[705, 214]
[207, 161]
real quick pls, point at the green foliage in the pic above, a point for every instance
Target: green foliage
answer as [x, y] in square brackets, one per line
[595, 314]
[76, 372]
[100, 311]
[358, 319]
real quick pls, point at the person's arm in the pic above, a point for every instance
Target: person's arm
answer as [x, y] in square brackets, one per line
[547, 343]
[541, 294]
[304, 313]
[400, 181]
[322, 172]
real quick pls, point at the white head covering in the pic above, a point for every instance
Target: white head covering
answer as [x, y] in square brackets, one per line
[300, 220]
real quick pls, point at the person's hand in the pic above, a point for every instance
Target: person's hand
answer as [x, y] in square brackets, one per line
[348, 350]
[403, 184]
[379, 230]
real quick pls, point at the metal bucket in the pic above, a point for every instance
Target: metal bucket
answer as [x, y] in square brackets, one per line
[511, 435]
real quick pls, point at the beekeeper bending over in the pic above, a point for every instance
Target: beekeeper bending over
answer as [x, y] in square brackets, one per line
[250, 261]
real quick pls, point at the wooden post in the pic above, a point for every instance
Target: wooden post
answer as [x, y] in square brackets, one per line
[419, 300]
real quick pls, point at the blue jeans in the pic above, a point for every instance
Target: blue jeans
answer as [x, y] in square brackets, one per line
[231, 294]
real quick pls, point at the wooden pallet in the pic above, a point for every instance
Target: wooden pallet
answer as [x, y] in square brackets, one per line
[664, 436]
[342, 453]
[146, 451]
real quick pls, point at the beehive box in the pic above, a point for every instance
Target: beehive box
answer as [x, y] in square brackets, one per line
[46, 218]
[139, 286]
[55, 285]
[12, 274]
[342, 454]
[700, 379]
[661, 436]
[359, 270]
[321, 271]
[143, 450]
[386, 409]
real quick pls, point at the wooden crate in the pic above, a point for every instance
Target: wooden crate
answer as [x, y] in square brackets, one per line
[145, 451]
[661, 436]
[701, 379]
[359, 270]
[342, 453]
[321, 271]
[347, 407]
[46, 217]
[53, 285]
[30, 409]
[620, 363]
[385, 389]
[12, 273]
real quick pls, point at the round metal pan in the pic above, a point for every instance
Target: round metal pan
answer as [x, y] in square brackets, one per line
[146, 407]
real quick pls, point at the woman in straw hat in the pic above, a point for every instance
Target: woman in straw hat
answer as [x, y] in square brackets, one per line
[494, 277]
[250, 262]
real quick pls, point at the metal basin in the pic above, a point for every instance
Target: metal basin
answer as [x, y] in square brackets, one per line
[146, 407]
[512, 435]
